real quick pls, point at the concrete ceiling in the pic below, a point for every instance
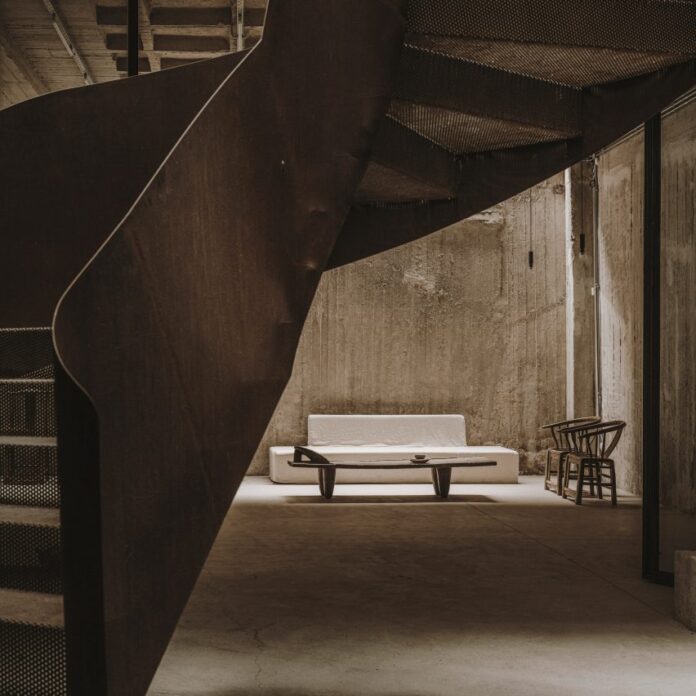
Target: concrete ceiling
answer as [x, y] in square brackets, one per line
[34, 59]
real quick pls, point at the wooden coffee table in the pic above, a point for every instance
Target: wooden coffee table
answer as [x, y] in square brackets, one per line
[441, 468]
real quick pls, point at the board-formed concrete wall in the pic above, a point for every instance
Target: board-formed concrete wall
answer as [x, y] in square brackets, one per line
[678, 311]
[621, 300]
[621, 184]
[454, 323]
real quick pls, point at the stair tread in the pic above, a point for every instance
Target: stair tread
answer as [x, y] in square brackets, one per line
[26, 380]
[15, 514]
[31, 607]
[28, 441]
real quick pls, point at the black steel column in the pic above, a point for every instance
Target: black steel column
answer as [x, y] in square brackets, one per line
[651, 353]
[132, 37]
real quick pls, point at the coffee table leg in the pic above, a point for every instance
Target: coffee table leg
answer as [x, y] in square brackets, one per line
[436, 482]
[442, 476]
[327, 479]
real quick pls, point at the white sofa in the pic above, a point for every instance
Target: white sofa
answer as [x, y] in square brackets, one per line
[373, 438]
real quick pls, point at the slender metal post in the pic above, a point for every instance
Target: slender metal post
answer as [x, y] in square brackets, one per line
[651, 354]
[594, 184]
[132, 37]
[240, 25]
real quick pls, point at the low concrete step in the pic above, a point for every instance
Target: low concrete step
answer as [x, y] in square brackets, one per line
[32, 644]
[30, 549]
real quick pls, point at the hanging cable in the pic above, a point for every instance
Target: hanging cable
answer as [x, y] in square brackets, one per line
[531, 249]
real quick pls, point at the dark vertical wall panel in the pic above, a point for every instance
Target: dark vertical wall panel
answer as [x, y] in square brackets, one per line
[651, 348]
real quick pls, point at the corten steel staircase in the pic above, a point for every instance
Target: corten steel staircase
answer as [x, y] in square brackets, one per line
[174, 228]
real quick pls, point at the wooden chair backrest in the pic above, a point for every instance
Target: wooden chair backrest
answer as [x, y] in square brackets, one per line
[601, 440]
[561, 437]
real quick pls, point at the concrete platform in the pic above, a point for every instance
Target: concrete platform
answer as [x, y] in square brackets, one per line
[387, 591]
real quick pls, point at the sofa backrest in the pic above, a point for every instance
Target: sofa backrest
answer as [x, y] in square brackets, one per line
[413, 431]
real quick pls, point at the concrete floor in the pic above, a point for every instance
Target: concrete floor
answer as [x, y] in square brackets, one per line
[386, 591]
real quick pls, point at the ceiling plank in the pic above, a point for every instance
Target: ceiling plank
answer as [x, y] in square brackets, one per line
[20, 60]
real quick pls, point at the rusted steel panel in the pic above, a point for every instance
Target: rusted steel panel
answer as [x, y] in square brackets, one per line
[182, 330]
[73, 162]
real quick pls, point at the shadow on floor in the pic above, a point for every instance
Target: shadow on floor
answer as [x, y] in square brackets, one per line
[370, 499]
[283, 691]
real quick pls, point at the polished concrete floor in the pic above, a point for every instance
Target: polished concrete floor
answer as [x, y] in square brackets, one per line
[387, 591]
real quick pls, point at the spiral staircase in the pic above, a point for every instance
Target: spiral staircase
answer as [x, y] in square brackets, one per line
[172, 229]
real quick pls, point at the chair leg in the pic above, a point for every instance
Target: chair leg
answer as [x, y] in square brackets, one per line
[560, 478]
[612, 481]
[599, 479]
[580, 482]
[592, 477]
[566, 478]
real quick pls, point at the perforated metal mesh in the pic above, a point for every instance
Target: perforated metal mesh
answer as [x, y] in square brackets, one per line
[461, 133]
[653, 25]
[574, 66]
[26, 352]
[32, 660]
[27, 407]
[29, 472]
[30, 557]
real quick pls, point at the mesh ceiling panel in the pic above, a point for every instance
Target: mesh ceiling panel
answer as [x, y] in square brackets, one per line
[575, 66]
[463, 133]
[650, 25]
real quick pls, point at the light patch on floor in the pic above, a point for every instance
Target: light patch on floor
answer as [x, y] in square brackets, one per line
[387, 591]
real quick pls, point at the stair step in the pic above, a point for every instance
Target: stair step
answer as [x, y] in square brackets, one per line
[27, 406]
[35, 608]
[32, 644]
[27, 441]
[39, 516]
[30, 549]
[29, 471]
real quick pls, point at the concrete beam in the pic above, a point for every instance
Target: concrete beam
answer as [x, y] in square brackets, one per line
[122, 64]
[67, 41]
[108, 15]
[190, 43]
[119, 42]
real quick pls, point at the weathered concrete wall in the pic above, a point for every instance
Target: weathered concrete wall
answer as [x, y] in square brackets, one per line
[621, 184]
[621, 300]
[454, 323]
[580, 311]
[678, 316]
